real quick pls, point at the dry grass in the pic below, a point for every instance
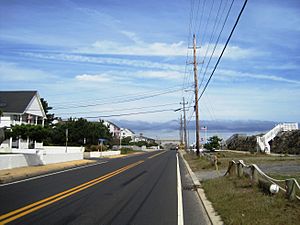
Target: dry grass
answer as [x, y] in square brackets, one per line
[238, 203]
[198, 163]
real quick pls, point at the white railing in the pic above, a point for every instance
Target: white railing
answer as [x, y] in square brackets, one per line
[263, 142]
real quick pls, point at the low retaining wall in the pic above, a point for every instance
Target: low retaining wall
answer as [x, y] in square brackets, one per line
[62, 157]
[62, 149]
[100, 154]
[9, 161]
[45, 149]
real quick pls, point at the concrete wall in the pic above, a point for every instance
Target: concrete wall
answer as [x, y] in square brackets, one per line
[100, 154]
[48, 150]
[10, 161]
[34, 157]
[62, 157]
[62, 149]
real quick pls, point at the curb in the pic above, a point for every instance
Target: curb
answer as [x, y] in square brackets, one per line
[212, 214]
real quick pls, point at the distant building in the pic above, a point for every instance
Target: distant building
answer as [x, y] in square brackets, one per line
[143, 138]
[20, 107]
[125, 132]
[113, 129]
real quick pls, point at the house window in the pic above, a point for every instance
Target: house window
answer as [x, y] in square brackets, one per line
[16, 118]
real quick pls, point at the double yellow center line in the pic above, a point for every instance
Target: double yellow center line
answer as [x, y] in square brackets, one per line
[13, 215]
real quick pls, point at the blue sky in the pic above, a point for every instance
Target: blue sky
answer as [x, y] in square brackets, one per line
[98, 58]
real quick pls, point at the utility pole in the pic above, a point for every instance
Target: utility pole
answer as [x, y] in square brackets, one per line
[181, 133]
[184, 125]
[196, 96]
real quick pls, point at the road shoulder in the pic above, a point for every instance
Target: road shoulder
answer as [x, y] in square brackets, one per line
[211, 213]
[11, 175]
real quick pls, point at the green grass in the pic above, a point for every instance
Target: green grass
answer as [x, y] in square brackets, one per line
[239, 203]
[295, 175]
[125, 151]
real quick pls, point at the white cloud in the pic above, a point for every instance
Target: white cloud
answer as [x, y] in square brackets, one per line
[132, 36]
[139, 48]
[105, 60]
[160, 74]
[164, 49]
[93, 78]
[232, 51]
[237, 74]
[14, 72]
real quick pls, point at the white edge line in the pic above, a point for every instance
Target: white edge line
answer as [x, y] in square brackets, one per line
[50, 174]
[179, 193]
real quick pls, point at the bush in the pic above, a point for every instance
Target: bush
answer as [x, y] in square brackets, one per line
[126, 151]
[95, 148]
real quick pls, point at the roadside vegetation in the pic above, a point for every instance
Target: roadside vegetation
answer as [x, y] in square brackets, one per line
[74, 131]
[203, 163]
[125, 151]
[238, 202]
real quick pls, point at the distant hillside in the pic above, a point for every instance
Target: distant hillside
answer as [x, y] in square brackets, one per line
[285, 142]
[242, 143]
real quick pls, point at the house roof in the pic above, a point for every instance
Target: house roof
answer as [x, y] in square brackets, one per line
[15, 101]
[109, 122]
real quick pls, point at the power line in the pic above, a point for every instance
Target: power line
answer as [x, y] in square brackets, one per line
[130, 114]
[116, 110]
[212, 35]
[216, 44]
[114, 97]
[228, 39]
[119, 101]
[209, 15]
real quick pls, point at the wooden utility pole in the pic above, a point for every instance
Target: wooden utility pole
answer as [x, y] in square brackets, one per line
[181, 128]
[184, 125]
[196, 96]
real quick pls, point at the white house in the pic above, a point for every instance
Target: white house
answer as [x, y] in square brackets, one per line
[20, 107]
[113, 128]
[143, 138]
[125, 132]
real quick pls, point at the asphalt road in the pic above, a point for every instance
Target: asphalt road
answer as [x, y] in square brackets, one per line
[136, 190]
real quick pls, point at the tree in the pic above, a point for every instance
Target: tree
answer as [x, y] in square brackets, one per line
[46, 107]
[214, 142]
[80, 132]
[33, 132]
[126, 141]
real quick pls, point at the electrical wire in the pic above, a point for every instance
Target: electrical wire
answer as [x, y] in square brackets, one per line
[216, 44]
[119, 101]
[129, 114]
[228, 39]
[116, 110]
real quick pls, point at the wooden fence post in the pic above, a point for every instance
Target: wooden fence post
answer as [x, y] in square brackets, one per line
[232, 171]
[254, 175]
[240, 169]
[290, 189]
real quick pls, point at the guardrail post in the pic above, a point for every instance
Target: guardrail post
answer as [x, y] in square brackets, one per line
[240, 169]
[290, 189]
[254, 175]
